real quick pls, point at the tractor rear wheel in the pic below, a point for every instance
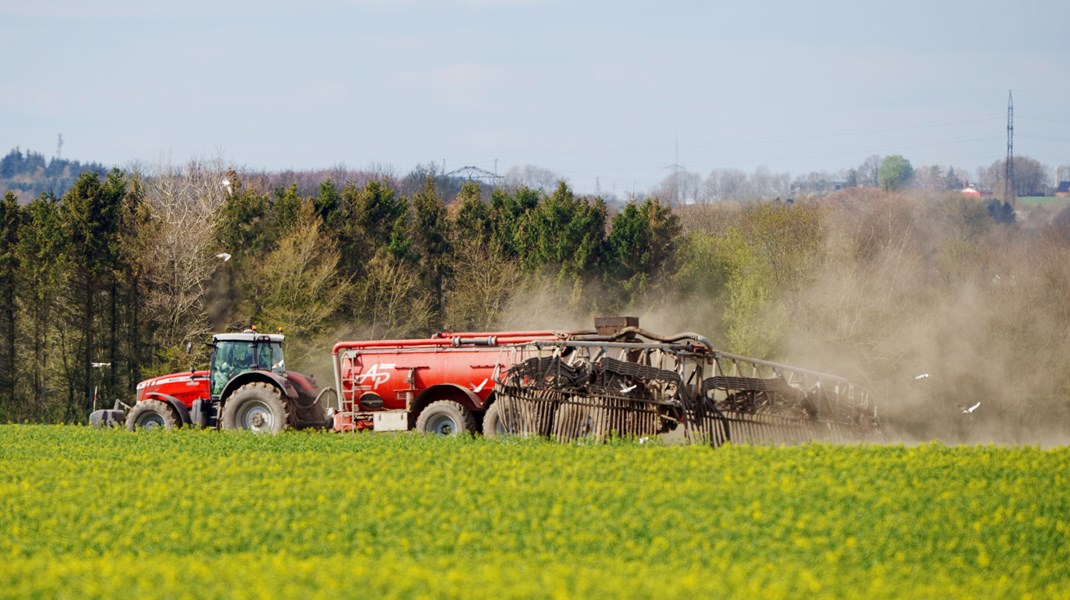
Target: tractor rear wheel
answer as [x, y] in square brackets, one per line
[445, 417]
[257, 407]
[151, 414]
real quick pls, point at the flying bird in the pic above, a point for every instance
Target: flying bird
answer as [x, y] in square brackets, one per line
[625, 390]
[479, 388]
[966, 410]
[226, 185]
[224, 256]
[922, 376]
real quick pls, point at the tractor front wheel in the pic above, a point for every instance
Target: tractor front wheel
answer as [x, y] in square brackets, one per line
[151, 414]
[445, 417]
[257, 407]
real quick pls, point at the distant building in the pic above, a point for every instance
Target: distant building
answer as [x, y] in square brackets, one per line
[1063, 191]
[975, 191]
[816, 188]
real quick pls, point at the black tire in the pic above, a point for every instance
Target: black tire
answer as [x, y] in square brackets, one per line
[445, 417]
[152, 414]
[258, 407]
[492, 422]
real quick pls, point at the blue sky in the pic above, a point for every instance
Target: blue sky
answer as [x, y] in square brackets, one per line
[602, 93]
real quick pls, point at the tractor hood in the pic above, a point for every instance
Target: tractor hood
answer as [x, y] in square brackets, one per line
[186, 386]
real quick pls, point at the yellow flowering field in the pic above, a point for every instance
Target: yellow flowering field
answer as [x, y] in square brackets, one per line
[202, 514]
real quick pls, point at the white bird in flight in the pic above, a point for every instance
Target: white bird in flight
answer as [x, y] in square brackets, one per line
[224, 256]
[969, 409]
[625, 390]
[226, 185]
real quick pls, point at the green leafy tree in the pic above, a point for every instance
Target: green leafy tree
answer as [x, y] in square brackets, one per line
[297, 285]
[895, 173]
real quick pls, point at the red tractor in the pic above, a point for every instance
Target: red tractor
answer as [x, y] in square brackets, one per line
[246, 386]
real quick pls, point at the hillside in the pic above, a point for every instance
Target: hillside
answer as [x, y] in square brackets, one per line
[29, 174]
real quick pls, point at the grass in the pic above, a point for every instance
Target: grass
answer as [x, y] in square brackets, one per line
[1043, 201]
[108, 514]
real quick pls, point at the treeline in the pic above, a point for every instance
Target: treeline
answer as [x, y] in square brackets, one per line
[28, 174]
[106, 284]
[122, 271]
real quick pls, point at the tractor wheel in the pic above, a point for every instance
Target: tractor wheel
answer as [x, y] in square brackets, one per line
[445, 417]
[257, 407]
[151, 414]
[493, 424]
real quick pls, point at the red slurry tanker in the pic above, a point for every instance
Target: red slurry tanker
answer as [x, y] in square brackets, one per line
[442, 384]
[616, 379]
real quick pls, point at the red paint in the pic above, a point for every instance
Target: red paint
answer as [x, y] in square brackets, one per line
[405, 374]
[187, 387]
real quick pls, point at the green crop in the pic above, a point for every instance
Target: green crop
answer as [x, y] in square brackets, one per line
[109, 514]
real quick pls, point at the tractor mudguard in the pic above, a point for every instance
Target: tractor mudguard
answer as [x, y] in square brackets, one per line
[265, 376]
[180, 409]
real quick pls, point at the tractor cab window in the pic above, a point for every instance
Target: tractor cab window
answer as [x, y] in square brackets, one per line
[229, 359]
[269, 357]
[234, 357]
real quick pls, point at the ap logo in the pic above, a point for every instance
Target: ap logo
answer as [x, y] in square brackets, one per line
[378, 374]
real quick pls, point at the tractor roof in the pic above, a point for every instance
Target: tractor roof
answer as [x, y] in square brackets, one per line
[249, 337]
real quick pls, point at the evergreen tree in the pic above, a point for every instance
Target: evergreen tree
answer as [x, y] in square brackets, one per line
[506, 213]
[91, 215]
[430, 235]
[565, 233]
[640, 245]
[473, 220]
[10, 218]
[328, 203]
[40, 255]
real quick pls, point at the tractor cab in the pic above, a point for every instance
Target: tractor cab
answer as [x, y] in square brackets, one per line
[237, 353]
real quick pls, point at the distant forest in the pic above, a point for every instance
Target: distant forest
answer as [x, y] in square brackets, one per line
[29, 174]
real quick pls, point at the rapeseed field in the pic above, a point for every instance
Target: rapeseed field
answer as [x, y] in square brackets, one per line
[202, 514]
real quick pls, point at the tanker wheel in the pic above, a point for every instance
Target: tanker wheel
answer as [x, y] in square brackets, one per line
[493, 424]
[445, 417]
[257, 407]
[151, 414]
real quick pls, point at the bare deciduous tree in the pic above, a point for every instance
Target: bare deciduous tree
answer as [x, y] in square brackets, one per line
[179, 248]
